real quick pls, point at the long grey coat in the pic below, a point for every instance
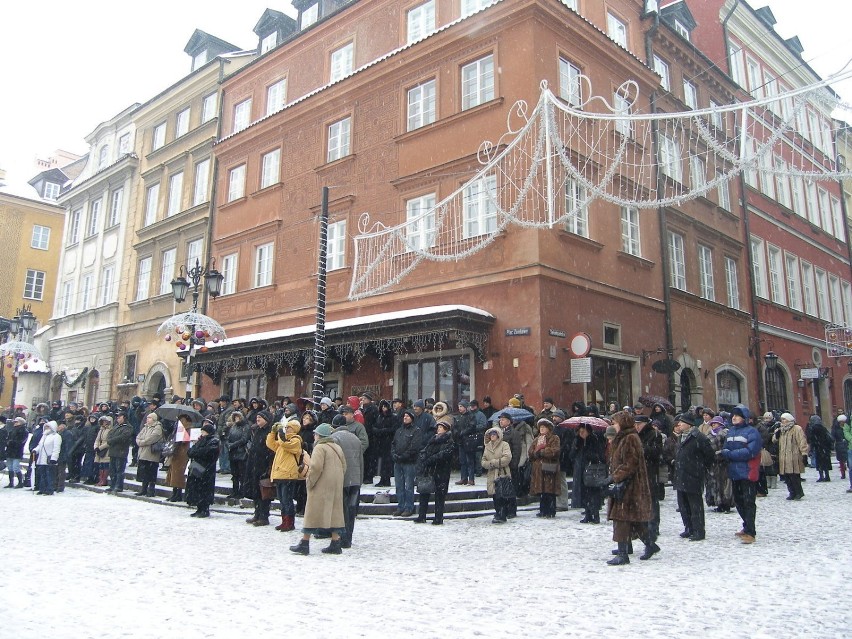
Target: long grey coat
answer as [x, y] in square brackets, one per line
[792, 446]
[325, 486]
[147, 437]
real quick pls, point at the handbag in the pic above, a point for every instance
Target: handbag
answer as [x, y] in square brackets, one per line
[595, 475]
[663, 474]
[382, 497]
[504, 488]
[303, 464]
[549, 467]
[617, 490]
[425, 484]
[168, 448]
[267, 489]
[196, 469]
[158, 446]
[765, 457]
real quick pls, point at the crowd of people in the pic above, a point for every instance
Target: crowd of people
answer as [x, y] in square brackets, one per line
[314, 459]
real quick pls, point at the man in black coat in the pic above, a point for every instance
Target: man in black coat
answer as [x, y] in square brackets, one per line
[258, 466]
[370, 412]
[16, 439]
[652, 449]
[34, 440]
[694, 455]
[383, 431]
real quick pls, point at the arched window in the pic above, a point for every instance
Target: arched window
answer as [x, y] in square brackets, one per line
[687, 380]
[776, 389]
[92, 384]
[728, 390]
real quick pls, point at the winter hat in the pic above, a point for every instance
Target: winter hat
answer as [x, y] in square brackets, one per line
[464, 403]
[323, 430]
[293, 426]
[515, 402]
[339, 420]
[545, 422]
[368, 396]
[841, 418]
[767, 415]
[736, 410]
[717, 420]
[419, 404]
[224, 398]
[642, 419]
[410, 413]
[548, 400]
[610, 431]
[326, 401]
[440, 409]
[686, 418]
[265, 415]
[208, 426]
[51, 424]
[446, 422]
[20, 420]
[787, 417]
[346, 409]
[496, 431]
[559, 416]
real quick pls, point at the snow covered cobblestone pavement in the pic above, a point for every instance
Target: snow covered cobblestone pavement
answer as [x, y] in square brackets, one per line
[83, 564]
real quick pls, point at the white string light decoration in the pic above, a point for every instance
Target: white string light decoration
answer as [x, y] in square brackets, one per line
[545, 172]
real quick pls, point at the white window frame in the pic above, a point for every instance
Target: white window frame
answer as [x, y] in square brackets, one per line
[242, 115]
[420, 21]
[723, 193]
[797, 188]
[837, 218]
[143, 278]
[270, 168]
[420, 222]
[229, 273]
[471, 6]
[175, 194]
[107, 288]
[681, 29]
[276, 96]
[263, 264]
[335, 257]
[93, 222]
[124, 144]
[87, 291]
[421, 105]
[201, 183]
[755, 81]
[616, 28]
[732, 283]
[622, 106]
[825, 211]
[40, 239]
[631, 240]
[758, 265]
[835, 299]
[193, 252]
[310, 15]
[697, 172]
[670, 159]
[182, 122]
[158, 136]
[823, 305]
[338, 139]
[51, 190]
[74, 226]
[777, 286]
[782, 183]
[737, 64]
[199, 59]
[662, 69]
[168, 259]
[477, 82]
[706, 279]
[67, 299]
[479, 213]
[103, 156]
[809, 289]
[794, 281]
[716, 116]
[208, 107]
[690, 94]
[115, 207]
[34, 284]
[152, 204]
[342, 60]
[677, 261]
[847, 302]
[576, 199]
[268, 42]
[570, 86]
[237, 183]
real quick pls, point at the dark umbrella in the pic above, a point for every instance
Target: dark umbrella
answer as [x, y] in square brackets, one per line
[173, 411]
[515, 414]
[650, 400]
[596, 423]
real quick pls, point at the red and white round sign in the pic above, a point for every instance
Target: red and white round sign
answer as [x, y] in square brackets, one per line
[581, 344]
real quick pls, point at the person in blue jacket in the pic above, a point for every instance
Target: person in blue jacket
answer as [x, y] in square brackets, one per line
[742, 452]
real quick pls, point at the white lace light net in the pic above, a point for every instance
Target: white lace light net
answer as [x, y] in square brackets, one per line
[546, 172]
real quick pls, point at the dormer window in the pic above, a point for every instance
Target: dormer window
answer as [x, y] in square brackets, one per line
[680, 27]
[199, 59]
[310, 15]
[269, 42]
[51, 191]
[103, 156]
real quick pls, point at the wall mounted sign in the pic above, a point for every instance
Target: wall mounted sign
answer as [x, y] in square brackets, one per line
[515, 332]
[555, 333]
[581, 370]
[581, 344]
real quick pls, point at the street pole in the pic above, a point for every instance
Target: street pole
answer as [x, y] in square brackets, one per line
[319, 336]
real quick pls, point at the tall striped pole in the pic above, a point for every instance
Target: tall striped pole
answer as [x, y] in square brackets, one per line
[319, 337]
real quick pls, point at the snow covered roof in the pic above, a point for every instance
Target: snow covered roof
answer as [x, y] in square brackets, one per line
[34, 366]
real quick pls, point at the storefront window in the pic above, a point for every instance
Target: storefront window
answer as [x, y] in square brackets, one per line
[246, 386]
[446, 379]
[612, 381]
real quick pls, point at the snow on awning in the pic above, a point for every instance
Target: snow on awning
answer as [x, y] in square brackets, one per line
[380, 334]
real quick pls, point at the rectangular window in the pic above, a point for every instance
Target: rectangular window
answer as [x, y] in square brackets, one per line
[470, 6]
[270, 168]
[735, 56]
[193, 253]
[242, 115]
[577, 208]
[755, 83]
[338, 139]
[421, 105]
[670, 160]
[236, 183]
[570, 89]
[115, 207]
[622, 107]
[103, 156]
[697, 172]
[616, 29]
[341, 62]
[758, 265]
[268, 42]
[34, 285]
[67, 298]
[767, 180]
[717, 117]
[690, 94]
[124, 144]
[182, 123]
[782, 183]
[809, 289]
[420, 222]
[74, 226]
[152, 204]
[477, 82]
[420, 21]
[680, 27]
[837, 218]
[724, 194]
[750, 171]
[143, 278]
[167, 270]
[794, 282]
[662, 69]
[201, 188]
[41, 237]
[263, 265]
[813, 202]
[51, 190]
[836, 299]
[480, 211]
[107, 286]
[677, 261]
[199, 59]
[94, 218]
[276, 96]
[208, 107]
[175, 194]
[825, 211]
[847, 303]
[776, 275]
[822, 294]
[335, 258]
[797, 187]
[229, 272]
[87, 292]
[705, 273]
[630, 241]
[310, 15]
[158, 138]
[732, 283]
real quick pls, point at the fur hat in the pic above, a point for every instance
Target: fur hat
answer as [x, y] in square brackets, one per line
[446, 422]
[338, 421]
[440, 409]
[208, 426]
[545, 422]
[326, 401]
[841, 418]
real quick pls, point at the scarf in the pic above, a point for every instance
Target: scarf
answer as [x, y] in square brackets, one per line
[541, 442]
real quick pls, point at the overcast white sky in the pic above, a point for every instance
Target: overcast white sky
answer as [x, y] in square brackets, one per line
[70, 66]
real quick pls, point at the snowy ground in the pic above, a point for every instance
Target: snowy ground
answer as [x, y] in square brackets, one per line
[83, 564]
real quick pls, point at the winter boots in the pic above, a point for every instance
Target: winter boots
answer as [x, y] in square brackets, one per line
[621, 557]
[286, 525]
[103, 475]
[629, 548]
[20, 480]
[177, 495]
[201, 512]
[303, 547]
[333, 548]
[651, 549]
[11, 480]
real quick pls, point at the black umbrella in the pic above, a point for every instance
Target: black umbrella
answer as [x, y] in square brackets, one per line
[650, 400]
[173, 411]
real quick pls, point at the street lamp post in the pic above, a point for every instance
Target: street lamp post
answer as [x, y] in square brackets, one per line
[23, 323]
[180, 287]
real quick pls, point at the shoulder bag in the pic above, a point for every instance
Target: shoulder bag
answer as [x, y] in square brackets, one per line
[503, 487]
[617, 490]
[168, 448]
[267, 489]
[425, 484]
[196, 469]
[595, 474]
[158, 447]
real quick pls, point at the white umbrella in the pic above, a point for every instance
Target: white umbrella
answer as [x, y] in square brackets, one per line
[26, 349]
[192, 321]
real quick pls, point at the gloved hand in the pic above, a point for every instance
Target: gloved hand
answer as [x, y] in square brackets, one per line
[805, 460]
[53, 462]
